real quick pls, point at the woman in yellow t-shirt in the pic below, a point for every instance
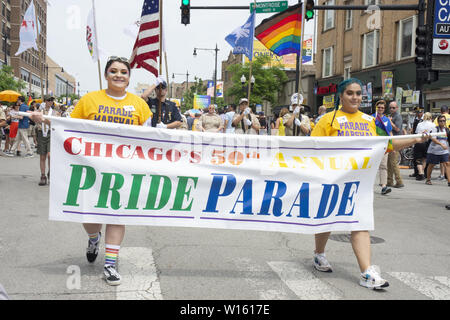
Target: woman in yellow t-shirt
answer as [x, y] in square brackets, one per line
[114, 104]
[279, 124]
[349, 121]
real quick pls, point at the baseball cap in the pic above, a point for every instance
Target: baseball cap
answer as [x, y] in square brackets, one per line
[160, 82]
[243, 100]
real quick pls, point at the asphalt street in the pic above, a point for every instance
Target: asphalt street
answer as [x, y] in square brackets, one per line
[42, 259]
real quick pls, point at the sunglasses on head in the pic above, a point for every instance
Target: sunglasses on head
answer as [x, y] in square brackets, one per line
[116, 58]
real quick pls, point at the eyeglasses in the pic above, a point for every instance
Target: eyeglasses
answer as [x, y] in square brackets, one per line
[441, 120]
[116, 58]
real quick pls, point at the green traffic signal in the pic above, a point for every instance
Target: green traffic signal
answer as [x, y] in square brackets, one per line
[309, 9]
[186, 2]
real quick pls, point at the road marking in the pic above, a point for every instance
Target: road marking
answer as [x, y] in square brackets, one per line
[302, 281]
[139, 276]
[437, 288]
[260, 284]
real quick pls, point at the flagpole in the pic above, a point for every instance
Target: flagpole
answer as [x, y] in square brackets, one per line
[299, 89]
[167, 74]
[40, 51]
[160, 52]
[96, 39]
[251, 65]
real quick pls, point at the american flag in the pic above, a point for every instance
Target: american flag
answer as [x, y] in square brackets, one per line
[146, 47]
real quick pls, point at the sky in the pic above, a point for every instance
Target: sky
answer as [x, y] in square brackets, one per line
[66, 37]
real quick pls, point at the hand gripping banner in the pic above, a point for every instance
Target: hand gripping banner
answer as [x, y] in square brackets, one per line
[121, 174]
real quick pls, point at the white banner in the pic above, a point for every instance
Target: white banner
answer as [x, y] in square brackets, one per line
[120, 174]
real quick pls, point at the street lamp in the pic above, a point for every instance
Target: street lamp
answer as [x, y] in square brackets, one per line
[215, 69]
[244, 80]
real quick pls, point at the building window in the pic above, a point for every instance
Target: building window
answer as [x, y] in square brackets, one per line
[406, 38]
[347, 70]
[371, 2]
[348, 19]
[327, 64]
[328, 16]
[371, 44]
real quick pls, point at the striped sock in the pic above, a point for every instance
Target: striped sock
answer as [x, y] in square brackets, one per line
[111, 253]
[94, 237]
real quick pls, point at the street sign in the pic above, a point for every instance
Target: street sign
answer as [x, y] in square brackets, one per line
[441, 27]
[266, 7]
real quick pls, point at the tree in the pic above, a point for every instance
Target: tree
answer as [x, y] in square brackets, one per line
[269, 81]
[188, 97]
[8, 82]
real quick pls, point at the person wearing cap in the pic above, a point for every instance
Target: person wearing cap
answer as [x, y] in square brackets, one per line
[170, 115]
[210, 121]
[296, 124]
[244, 121]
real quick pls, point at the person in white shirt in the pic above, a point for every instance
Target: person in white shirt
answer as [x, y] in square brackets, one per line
[420, 149]
[229, 119]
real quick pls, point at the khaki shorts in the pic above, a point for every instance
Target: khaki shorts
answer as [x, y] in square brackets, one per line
[43, 143]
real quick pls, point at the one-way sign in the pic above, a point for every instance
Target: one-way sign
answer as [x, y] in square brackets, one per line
[442, 29]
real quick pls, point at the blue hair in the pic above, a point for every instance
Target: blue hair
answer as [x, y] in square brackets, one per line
[341, 88]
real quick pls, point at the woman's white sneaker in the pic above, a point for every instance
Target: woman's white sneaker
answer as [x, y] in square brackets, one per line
[321, 263]
[371, 279]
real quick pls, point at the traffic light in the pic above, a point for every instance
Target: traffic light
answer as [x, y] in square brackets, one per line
[185, 11]
[309, 11]
[422, 55]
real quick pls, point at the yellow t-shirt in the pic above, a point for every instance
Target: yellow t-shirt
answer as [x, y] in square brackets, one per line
[97, 105]
[345, 124]
[447, 120]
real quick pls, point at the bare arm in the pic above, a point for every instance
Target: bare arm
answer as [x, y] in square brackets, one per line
[148, 92]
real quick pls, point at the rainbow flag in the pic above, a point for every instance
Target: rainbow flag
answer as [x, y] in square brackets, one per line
[383, 131]
[29, 100]
[282, 32]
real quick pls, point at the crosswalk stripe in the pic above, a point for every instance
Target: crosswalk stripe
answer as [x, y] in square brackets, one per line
[139, 276]
[437, 288]
[264, 290]
[302, 281]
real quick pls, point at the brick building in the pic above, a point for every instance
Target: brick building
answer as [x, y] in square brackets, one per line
[30, 65]
[370, 46]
